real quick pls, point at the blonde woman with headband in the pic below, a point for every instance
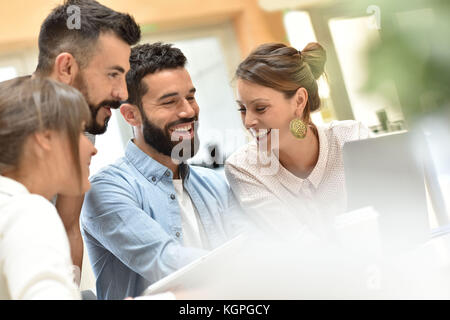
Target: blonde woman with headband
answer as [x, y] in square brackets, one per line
[290, 178]
[43, 152]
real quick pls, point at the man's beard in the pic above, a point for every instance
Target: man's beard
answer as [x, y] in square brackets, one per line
[93, 127]
[161, 141]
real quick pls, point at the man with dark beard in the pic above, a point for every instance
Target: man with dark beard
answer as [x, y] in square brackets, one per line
[87, 45]
[151, 213]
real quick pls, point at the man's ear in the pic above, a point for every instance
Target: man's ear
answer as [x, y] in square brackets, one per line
[131, 114]
[66, 68]
[301, 98]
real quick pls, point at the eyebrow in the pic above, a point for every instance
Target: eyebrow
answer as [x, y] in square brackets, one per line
[172, 94]
[118, 68]
[254, 101]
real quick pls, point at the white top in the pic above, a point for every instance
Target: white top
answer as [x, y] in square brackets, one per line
[35, 260]
[282, 202]
[192, 230]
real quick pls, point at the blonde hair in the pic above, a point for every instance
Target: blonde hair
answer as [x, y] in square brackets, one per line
[29, 105]
[286, 69]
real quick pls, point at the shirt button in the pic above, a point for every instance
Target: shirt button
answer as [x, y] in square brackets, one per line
[153, 179]
[172, 196]
[167, 173]
[177, 234]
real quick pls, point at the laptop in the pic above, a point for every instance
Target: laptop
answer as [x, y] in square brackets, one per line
[197, 272]
[387, 173]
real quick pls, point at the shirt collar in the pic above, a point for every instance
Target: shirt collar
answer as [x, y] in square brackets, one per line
[316, 175]
[11, 187]
[292, 182]
[150, 168]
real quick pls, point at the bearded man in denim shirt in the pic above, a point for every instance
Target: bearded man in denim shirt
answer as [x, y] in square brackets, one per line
[150, 213]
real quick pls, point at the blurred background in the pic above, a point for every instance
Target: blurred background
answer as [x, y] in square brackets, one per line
[388, 63]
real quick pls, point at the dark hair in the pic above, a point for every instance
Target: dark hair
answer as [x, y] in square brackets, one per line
[286, 69]
[31, 105]
[56, 36]
[147, 59]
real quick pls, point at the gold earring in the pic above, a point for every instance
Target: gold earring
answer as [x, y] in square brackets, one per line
[298, 128]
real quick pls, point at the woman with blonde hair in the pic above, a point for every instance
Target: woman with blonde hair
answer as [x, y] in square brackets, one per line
[43, 152]
[290, 178]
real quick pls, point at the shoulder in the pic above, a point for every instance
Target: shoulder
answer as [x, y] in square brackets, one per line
[113, 183]
[347, 130]
[117, 173]
[31, 213]
[209, 176]
[30, 204]
[247, 164]
[239, 160]
[41, 210]
[210, 183]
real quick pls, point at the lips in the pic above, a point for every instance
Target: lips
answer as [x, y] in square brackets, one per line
[260, 134]
[108, 105]
[184, 131]
[108, 111]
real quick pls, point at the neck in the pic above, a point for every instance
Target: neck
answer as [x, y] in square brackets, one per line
[300, 156]
[157, 156]
[33, 180]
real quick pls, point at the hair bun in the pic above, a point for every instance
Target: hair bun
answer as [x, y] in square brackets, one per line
[315, 56]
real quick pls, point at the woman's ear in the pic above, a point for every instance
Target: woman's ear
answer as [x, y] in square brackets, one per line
[41, 143]
[66, 68]
[44, 139]
[131, 114]
[301, 98]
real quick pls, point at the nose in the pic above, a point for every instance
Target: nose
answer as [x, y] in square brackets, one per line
[249, 120]
[94, 151]
[120, 91]
[188, 110]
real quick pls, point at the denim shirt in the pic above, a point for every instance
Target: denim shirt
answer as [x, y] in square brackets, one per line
[131, 221]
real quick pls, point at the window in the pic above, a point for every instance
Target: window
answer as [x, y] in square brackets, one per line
[300, 32]
[7, 73]
[351, 37]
